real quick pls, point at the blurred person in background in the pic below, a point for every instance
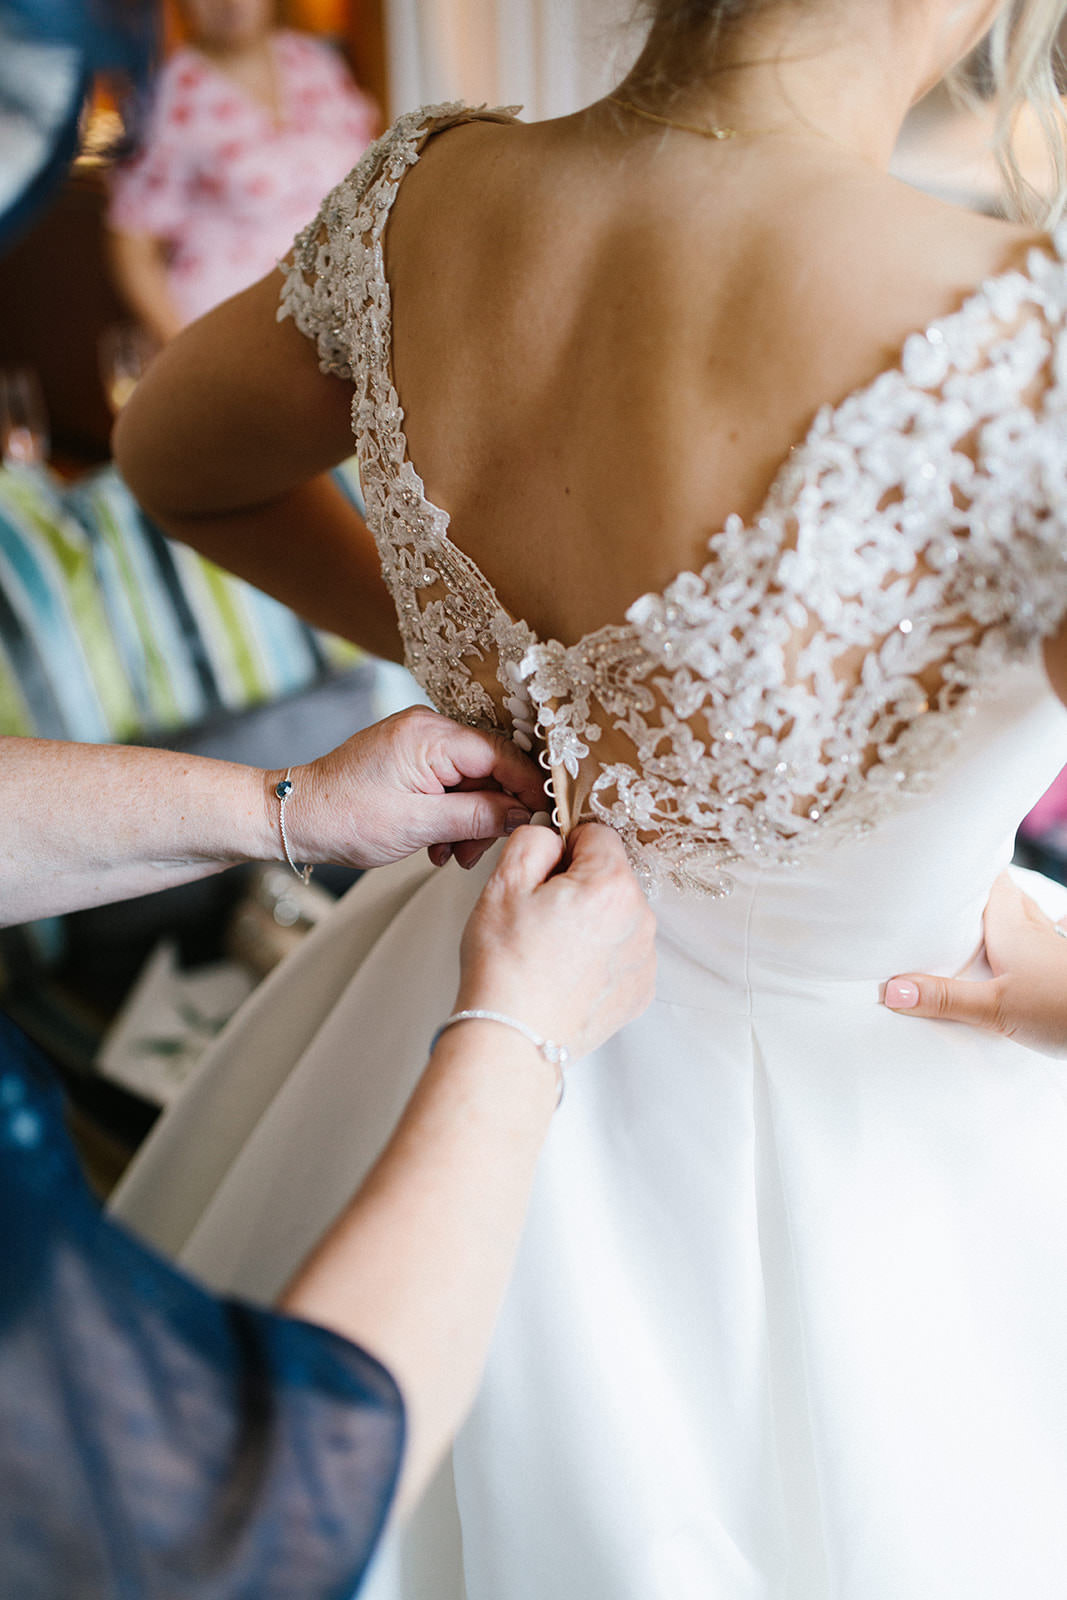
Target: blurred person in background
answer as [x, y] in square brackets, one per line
[250, 124]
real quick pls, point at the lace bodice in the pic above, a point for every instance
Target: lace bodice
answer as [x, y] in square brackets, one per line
[815, 671]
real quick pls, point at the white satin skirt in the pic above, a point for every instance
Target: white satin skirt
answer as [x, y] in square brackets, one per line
[789, 1316]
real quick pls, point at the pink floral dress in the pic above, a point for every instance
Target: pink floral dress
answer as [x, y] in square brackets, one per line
[222, 183]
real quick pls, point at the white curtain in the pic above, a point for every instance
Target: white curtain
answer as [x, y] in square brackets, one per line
[549, 56]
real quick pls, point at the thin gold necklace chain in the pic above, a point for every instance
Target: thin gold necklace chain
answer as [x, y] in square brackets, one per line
[687, 127]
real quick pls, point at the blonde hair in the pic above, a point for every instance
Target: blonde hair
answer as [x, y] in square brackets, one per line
[1022, 60]
[1019, 62]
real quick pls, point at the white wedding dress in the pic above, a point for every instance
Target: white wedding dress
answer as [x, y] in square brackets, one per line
[789, 1317]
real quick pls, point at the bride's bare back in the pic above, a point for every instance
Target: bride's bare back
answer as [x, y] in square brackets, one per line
[906, 555]
[606, 341]
[606, 336]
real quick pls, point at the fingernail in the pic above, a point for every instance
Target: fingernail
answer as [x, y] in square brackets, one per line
[901, 996]
[515, 819]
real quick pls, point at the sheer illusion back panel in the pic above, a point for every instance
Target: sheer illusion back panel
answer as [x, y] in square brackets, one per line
[812, 674]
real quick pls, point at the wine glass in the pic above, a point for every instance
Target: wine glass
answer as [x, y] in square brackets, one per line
[23, 418]
[125, 350]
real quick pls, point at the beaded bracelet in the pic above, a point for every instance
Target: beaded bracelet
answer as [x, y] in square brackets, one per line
[557, 1055]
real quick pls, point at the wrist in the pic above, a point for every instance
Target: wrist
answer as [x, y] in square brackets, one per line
[553, 1052]
[505, 1066]
[209, 811]
[289, 799]
[222, 814]
[271, 833]
[506, 987]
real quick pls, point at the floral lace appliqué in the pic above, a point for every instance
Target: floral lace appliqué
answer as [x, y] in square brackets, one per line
[817, 670]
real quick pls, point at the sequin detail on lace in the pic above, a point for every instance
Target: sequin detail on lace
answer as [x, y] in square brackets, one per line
[816, 671]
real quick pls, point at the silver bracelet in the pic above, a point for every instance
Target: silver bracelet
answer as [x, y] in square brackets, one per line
[283, 790]
[557, 1055]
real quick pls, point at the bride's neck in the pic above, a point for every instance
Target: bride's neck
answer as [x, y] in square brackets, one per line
[851, 84]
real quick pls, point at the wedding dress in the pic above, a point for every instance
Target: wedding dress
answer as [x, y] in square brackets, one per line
[789, 1316]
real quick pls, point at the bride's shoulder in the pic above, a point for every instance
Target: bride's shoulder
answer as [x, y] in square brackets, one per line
[971, 245]
[913, 231]
[1004, 275]
[908, 258]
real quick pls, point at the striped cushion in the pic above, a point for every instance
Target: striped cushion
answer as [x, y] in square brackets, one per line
[110, 631]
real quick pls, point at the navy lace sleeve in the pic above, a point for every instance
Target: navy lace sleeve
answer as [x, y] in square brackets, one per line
[156, 1441]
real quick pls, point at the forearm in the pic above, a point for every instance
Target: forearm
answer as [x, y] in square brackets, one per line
[415, 1268]
[227, 444]
[141, 275]
[88, 824]
[311, 549]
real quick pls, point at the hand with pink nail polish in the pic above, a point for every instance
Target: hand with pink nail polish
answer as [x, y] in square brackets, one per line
[1025, 999]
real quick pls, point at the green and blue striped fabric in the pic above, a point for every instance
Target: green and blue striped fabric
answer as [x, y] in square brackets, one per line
[109, 631]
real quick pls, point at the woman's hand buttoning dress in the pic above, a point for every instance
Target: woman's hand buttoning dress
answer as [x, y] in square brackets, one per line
[730, 474]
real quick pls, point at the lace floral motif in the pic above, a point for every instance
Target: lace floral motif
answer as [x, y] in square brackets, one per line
[337, 293]
[819, 666]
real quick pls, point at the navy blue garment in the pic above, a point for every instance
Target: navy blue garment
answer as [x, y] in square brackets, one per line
[156, 1441]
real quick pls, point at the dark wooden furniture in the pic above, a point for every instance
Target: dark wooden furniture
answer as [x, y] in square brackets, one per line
[56, 298]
